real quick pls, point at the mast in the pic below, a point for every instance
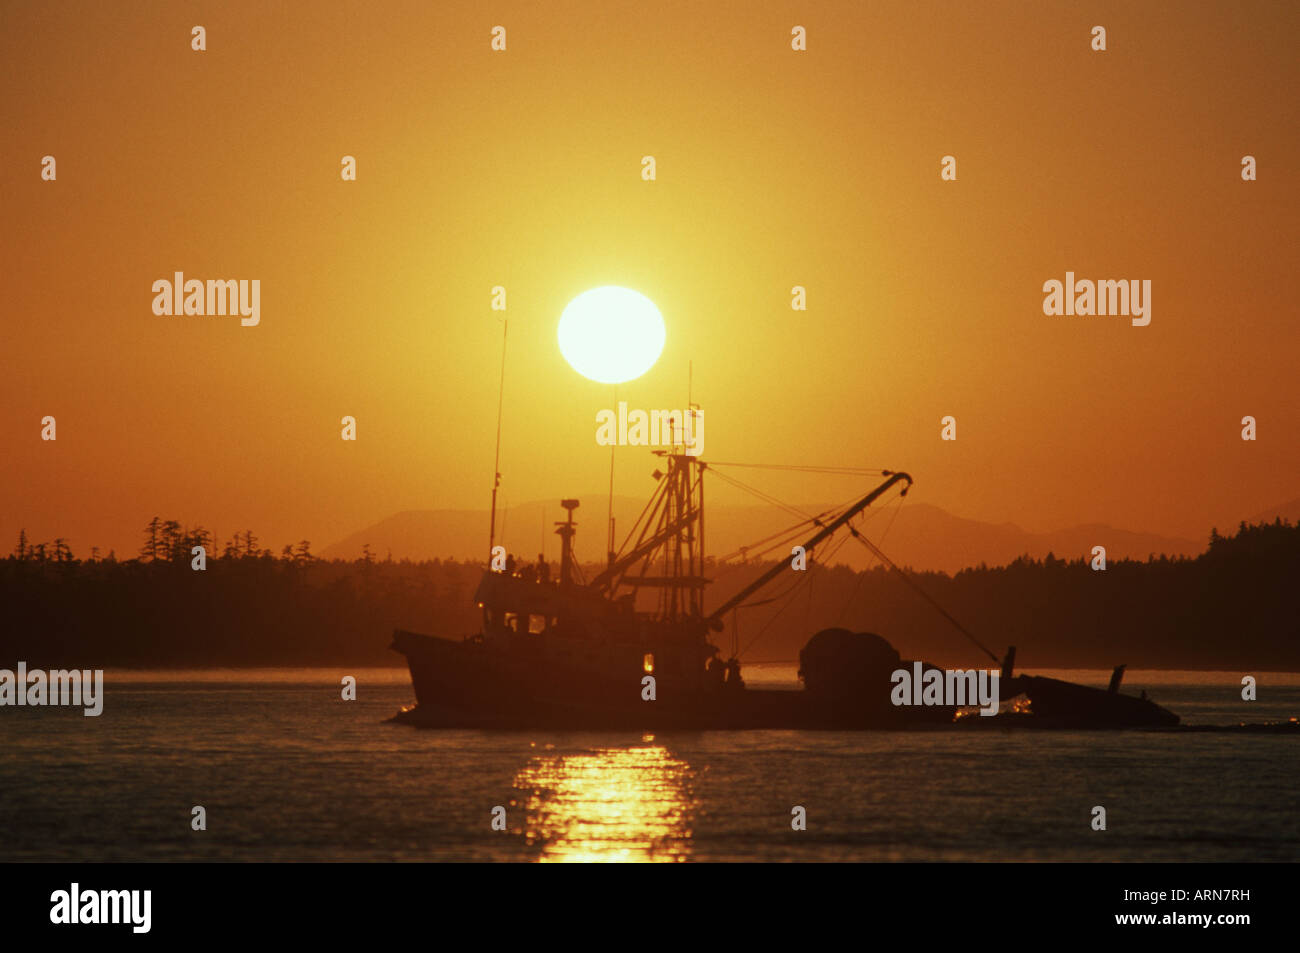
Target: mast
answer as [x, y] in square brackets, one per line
[715, 617]
[666, 540]
[691, 409]
[609, 539]
[496, 464]
[566, 531]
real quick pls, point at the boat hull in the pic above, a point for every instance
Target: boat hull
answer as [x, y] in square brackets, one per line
[1057, 703]
[465, 684]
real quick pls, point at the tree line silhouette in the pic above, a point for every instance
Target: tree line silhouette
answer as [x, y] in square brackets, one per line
[249, 606]
[1235, 606]
[166, 541]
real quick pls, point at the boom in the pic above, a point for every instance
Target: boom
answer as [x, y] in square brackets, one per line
[715, 618]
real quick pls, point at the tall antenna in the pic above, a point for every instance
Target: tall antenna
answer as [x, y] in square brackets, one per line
[609, 548]
[496, 464]
[690, 410]
[691, 407]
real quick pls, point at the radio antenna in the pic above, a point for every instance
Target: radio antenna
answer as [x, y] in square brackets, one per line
[609, 546]
[496, 464]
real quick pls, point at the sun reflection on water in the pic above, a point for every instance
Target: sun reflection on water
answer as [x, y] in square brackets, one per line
[608, 804]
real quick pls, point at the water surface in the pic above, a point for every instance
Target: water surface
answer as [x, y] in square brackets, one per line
[288, 771]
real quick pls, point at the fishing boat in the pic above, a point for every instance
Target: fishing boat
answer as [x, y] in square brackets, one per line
[570, 652]
[633, 646]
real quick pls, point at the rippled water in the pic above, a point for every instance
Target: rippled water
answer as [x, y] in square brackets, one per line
[288, 771]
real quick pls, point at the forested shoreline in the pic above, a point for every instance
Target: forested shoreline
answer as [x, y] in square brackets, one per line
[1236, 606]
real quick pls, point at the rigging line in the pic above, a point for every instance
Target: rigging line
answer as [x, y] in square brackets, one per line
[798, 581]
[790, 597]
[654, 497]
[776, 615]
[792, 531]
[785, 536]
[785, 533]
[800, 468]
[857, 588]
[815, 520]
[825, 561]
[782, 538]
[923, 594]
[806, 579]
[862, 576]
[897, 509]
[791, 592]
[829, 555]
[767, 498]
[762, 554]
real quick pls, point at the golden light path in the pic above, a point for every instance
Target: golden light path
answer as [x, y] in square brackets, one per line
[608, 805]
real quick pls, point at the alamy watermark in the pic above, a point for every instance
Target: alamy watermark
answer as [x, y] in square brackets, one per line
[952, 687]
[56, 687]
[221, 297]
[75, 906]
[1102, 297]
[653, 428]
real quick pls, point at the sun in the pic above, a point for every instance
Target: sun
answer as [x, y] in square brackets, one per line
[611, 334]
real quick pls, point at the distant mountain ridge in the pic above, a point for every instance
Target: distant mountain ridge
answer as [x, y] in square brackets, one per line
[921, 535]
[1288, 511]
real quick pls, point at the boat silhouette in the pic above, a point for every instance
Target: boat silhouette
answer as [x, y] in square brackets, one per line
[632, 647]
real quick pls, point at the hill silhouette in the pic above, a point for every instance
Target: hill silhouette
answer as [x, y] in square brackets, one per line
[1288, 512]
[920, 535]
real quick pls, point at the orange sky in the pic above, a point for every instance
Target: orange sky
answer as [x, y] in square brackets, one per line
[522, 169]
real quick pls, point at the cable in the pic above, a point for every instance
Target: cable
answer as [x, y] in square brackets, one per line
[857, 471]
[805, 580]
[922, 593]
[862, 576]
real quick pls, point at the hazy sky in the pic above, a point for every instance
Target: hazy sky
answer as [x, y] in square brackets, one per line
[523, 169]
